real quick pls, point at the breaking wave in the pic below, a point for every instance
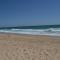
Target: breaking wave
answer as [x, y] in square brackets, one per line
[50, 31]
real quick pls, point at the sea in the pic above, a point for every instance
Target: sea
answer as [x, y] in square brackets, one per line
[50, 30]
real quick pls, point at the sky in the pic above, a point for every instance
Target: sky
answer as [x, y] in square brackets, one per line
[29, 12]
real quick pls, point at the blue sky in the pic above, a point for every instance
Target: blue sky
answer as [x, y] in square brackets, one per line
[29, 12]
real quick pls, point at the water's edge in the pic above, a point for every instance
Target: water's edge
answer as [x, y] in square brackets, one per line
[50, 30]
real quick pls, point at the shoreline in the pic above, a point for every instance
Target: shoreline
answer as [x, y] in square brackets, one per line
[29, 38]
[58, 37]
[28, 34]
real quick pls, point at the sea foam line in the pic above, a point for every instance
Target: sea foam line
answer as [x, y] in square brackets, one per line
[51, 31]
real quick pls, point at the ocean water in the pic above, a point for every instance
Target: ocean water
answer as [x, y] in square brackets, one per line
[51, 30]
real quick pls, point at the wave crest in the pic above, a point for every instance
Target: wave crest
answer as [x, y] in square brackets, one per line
[50, 31]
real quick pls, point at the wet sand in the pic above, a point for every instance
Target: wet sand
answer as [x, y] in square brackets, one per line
[29, 47]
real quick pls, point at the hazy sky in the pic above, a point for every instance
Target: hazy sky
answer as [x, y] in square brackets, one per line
[29, 12]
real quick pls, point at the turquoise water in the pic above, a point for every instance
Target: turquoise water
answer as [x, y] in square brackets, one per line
[53, 30]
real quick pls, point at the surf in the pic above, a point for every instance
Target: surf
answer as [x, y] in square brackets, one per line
[51, 30]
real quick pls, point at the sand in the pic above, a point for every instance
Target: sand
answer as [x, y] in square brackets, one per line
[28, 47]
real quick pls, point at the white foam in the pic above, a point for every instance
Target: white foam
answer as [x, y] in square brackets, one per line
[51, 31]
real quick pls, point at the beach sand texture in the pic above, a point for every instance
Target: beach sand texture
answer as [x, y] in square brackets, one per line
[28, 47]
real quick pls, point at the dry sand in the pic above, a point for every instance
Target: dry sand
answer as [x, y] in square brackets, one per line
[28, 47]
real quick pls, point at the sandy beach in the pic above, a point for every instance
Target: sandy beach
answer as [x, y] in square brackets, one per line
[29, 47]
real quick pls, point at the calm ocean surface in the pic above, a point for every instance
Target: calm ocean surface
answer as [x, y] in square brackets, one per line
[51, 30]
